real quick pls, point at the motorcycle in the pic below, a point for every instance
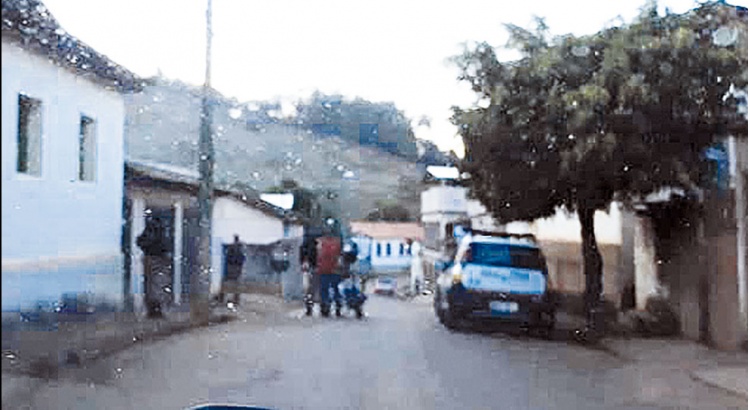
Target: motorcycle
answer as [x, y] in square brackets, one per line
[353, 297]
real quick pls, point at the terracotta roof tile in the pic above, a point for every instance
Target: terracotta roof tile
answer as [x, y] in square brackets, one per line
[388, 230]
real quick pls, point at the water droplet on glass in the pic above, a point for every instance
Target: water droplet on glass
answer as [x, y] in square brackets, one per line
[340, 167]
[60, 32]
[571, 137]
[204, 157]
[234, 113]
[625, 168]
[724, 36]
[580, 51]
[147, 211]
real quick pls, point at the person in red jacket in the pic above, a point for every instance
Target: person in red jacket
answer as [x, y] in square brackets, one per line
[329, 268]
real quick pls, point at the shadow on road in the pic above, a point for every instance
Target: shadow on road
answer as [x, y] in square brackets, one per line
[515, 331]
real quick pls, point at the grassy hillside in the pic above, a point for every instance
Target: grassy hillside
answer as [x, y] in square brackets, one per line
[162, 125]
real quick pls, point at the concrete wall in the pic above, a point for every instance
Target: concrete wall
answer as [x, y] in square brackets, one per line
[232, 216]
[443, 199]
[565, 263]
[54, 223]
[396, 261]
[646, 263]
[564, 227]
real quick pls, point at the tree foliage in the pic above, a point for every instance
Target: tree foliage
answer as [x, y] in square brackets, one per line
[377, 124]
[389, 211]
[580, 121]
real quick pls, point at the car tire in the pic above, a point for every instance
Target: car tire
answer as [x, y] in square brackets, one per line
[446, 316]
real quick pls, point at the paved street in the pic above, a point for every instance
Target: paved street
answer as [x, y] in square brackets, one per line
[399, 357]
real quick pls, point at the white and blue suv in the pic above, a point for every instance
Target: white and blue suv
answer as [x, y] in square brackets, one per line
[496, 277]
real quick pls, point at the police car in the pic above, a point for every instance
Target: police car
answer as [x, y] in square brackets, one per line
[498, 277]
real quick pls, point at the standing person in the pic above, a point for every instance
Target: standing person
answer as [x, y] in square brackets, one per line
[329, 269]
[417, 269]
[157, 264]
[308, 260]
[235, 261]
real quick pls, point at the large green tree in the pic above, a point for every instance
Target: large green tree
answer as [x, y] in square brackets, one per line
[578, 122]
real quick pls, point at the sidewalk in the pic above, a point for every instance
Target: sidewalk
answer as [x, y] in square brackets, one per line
[34, 356]
[724, 370]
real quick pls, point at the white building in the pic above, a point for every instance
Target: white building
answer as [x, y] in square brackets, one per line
[387, 244]
[171, 193]
[62, 164]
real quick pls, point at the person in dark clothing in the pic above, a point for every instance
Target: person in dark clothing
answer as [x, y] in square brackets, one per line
[157, 265]
[235, 262]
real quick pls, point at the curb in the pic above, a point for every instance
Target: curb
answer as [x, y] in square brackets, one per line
[42, 367]
[710, 383]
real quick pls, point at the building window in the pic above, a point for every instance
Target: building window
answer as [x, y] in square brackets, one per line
[388, 249]
[378, 249]
[87, 149]
[29, 136]
[401, 249]
[287, 230]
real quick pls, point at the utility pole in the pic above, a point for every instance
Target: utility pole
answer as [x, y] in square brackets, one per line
[201, 274]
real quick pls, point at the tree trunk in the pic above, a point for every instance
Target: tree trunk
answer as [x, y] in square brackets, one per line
[592, 259]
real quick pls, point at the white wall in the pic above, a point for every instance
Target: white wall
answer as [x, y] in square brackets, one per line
[565, 227]
[55, 217]
[394, 261]
[443, 199]
[232, 216]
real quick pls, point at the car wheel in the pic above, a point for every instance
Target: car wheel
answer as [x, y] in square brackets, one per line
[446, 316]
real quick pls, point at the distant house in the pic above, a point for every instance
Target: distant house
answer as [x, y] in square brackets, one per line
[62, 154]
[170, 194]
[387, 244]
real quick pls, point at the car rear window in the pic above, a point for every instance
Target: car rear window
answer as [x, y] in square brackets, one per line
[507, 256]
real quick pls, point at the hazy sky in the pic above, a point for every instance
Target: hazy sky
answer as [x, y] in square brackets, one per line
[384, 51]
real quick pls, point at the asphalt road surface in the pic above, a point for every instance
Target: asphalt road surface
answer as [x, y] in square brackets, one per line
[398, 357]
